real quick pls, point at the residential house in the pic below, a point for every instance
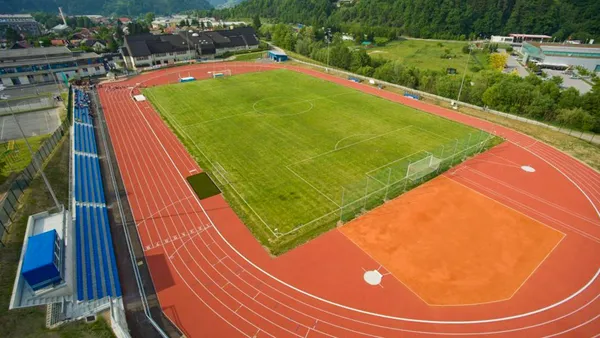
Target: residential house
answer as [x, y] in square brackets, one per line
[23, 24]
[96, 45]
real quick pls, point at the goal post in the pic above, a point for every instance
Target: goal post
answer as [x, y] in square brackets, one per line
[221, 73]
[422, 167]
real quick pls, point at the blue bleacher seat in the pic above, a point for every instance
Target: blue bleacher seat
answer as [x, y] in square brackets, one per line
[103, 249]
[88, 251]
[94, 244]
[78, 179]
[78, 257]
[109, 246]
[102, 197]
[97, 250]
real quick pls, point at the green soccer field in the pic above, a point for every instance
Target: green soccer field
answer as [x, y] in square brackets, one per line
[289, 150]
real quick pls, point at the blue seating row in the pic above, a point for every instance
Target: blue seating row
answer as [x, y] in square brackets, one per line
[97, 275]
[82, 115]
[88, 181]
[84, 138]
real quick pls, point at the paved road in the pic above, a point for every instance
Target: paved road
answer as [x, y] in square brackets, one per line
[33, 124]
[512, 63]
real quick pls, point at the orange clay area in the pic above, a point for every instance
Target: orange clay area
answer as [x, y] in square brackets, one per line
[453, 246]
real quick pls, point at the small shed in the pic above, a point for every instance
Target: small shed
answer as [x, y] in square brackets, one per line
[277, 56]
[41, 262]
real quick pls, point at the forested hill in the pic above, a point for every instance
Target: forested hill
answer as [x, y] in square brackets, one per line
[120, 7]
[440, 18]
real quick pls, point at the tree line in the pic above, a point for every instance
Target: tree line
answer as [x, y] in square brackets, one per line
[106, 7]
[532, 97]
[441, 19]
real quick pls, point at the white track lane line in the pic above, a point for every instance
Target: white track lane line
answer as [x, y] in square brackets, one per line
[301, 291]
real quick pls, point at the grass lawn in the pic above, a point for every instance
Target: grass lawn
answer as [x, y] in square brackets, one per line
[427, 54]
[19, 157]
[31, 322]
[289, 148]
[249, 56]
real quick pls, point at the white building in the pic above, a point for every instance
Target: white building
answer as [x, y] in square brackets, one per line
[502, 39]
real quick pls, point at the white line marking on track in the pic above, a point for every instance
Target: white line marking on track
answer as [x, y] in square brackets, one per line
[400, 329]
[460, 322]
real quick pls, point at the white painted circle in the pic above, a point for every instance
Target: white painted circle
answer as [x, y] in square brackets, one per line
[528, 169]
[372, 277]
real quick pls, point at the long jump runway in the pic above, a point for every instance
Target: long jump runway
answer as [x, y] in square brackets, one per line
[213, 279]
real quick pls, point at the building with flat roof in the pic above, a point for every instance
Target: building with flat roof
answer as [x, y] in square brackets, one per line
[23, 24]
[45, 65]
[586, 56]
[277, 56]
[502, 39]
[530, 37]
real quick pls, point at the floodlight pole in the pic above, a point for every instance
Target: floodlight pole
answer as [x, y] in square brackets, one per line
[50, 68]
[35, 162]
[464, 75]
[328, 40]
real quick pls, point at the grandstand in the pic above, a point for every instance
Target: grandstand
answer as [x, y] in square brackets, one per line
[96, 267]
[67, 261]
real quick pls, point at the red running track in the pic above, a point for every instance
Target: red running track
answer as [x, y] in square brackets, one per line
[213, 279]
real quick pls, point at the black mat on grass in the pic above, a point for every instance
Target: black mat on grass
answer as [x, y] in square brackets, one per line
[203, 185]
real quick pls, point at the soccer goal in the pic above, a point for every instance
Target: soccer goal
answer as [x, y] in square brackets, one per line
[221, 73]
[422, 167]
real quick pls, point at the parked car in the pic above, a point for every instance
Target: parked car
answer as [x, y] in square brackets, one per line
[4, 97]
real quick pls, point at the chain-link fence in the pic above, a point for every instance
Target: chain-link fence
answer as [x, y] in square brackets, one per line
[10, 201]
[22, 105]
[393, 180]
[377, 186]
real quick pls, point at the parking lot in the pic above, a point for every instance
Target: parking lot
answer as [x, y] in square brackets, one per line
[578, 84]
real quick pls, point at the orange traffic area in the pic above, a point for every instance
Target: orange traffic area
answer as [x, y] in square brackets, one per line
[451, 245]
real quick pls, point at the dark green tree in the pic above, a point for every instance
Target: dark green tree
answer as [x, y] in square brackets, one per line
[256, 22]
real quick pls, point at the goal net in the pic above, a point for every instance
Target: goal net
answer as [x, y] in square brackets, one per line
[221, 73]
[422, 167]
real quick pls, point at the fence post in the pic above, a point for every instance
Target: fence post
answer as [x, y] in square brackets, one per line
[9, 218]
[454, 153]
[366, 194]
[342, 206]
[387, 187]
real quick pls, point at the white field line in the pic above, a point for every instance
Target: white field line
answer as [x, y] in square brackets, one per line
[385, 316]
[212, 164]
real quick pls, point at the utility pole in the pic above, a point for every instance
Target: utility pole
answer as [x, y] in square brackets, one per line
[35, 162]
[50, 68]
[328, 41]
[464, 75]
